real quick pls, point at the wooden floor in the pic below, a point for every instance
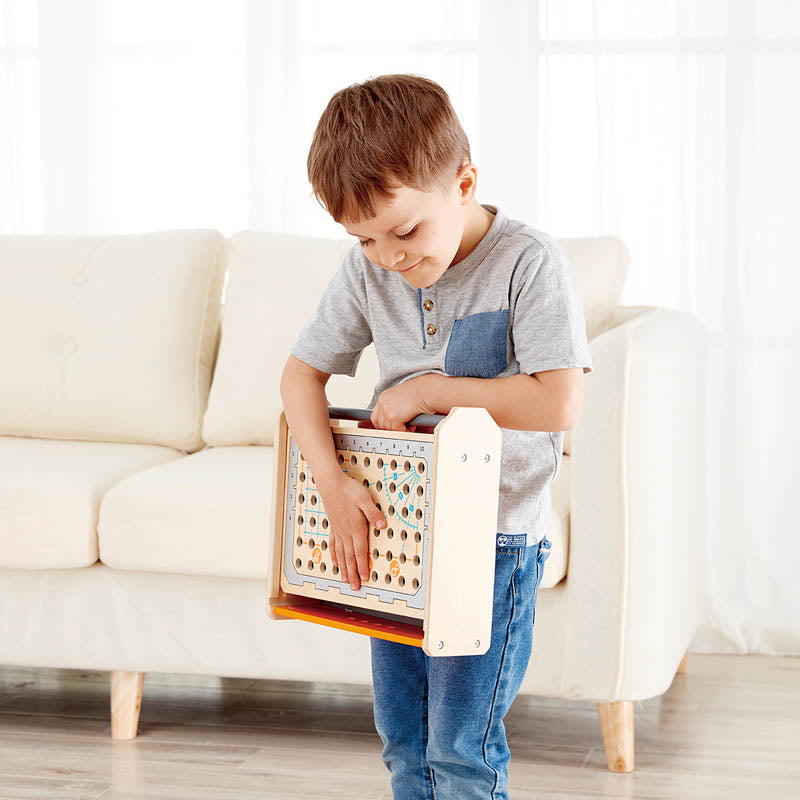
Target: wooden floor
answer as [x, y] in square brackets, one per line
[730, 728]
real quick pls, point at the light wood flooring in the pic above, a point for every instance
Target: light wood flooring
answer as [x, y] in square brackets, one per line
[729, 728]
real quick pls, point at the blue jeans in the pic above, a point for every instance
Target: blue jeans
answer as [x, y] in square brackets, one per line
[441, 718]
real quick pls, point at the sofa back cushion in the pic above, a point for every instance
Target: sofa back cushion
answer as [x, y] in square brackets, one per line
[601, 266]
[276, 281]
[109, 338]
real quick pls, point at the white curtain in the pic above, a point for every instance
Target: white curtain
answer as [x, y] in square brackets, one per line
[673, 124]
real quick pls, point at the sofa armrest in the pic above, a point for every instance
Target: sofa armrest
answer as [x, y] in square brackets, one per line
[638, 507]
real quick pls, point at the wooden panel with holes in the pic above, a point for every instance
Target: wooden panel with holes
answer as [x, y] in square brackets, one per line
[431, 567]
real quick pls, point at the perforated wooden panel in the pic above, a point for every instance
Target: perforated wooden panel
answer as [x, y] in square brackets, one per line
[396, 474]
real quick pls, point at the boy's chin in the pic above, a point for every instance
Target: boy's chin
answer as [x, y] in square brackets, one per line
[422, 279]
[421, 284]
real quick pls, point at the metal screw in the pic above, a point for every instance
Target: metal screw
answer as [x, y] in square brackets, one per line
[463, 456]
[439, 645]
[476, 643]
[486, 457]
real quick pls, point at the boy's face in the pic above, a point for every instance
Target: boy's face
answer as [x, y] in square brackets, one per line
[420, 234]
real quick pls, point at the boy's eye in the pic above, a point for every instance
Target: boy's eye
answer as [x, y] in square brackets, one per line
[404, 236]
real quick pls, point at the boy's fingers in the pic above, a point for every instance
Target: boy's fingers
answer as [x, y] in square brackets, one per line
[352, 567]
[374, 515]
[340, 559]
[361, 558]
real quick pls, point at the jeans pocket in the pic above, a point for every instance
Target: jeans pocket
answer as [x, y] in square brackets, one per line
[543, 553]
[544, 549]
[477, 347]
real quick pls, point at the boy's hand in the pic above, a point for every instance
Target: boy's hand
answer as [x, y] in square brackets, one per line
[351, 515]
[403, 402]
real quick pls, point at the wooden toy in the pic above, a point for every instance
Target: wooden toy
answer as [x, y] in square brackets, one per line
[431, 580]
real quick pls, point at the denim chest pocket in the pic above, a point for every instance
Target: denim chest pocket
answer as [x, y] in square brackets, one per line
[477, 347]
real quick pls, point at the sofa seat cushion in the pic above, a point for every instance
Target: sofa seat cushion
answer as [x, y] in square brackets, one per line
[207, 514]
[555, 568]
[50, 491]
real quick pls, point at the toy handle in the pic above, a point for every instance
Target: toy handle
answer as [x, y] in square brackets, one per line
[365, 413]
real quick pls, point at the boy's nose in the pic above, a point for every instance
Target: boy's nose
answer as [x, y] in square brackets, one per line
[390, 259]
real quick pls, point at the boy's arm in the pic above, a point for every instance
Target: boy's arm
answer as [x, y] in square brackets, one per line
[548, 334]
[348, 504]
[306, 407]
[544, 401]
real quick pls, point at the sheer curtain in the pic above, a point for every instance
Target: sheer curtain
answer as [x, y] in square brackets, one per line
[672, 124]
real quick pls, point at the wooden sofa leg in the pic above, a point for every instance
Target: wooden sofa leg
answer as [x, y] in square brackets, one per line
[616, 722]
[126, 700]
[683, 666]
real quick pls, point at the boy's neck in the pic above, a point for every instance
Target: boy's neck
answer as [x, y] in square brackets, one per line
[478, 223]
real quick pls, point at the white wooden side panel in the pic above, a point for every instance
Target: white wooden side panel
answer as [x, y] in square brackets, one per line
[458, 612]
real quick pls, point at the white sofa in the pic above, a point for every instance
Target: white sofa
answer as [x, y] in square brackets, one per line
[136, 430]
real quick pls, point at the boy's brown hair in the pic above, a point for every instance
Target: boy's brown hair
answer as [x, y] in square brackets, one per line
[375, 136]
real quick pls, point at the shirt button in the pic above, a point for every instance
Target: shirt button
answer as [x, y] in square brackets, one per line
[430, 330]
[428, 305]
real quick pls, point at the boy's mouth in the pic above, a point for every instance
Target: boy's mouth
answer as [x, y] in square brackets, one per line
[408, 269]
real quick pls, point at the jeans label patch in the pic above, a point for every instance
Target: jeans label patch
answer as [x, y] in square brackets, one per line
[511, 540]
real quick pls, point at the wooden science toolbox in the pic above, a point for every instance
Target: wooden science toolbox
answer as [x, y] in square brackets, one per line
[431, 566]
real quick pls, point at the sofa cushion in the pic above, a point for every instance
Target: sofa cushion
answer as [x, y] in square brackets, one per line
[50, 491]
[109, 338]
[276, 281]
[210, 513]
[207, 514]
[601, 267]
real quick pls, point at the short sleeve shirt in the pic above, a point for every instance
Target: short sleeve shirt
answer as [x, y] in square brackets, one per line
[510, 306]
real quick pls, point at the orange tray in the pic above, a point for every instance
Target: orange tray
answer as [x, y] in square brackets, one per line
[354, 621]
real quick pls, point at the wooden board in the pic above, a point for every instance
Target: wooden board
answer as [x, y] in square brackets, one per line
[435, 559]
[398, 484]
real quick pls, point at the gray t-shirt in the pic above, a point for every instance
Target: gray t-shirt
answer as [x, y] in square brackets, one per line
[511, 306]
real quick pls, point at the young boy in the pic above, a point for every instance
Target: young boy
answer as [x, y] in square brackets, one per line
[467, 307]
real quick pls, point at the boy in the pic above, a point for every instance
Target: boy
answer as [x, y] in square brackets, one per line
[466, 307]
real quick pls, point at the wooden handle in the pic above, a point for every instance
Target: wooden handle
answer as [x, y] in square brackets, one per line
[336, 412]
